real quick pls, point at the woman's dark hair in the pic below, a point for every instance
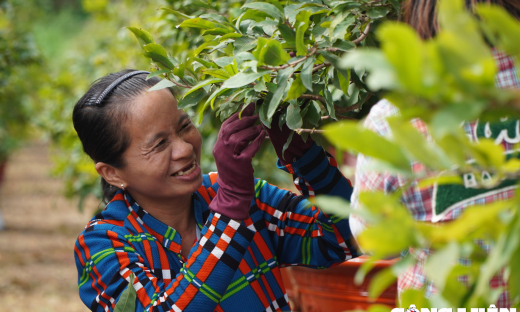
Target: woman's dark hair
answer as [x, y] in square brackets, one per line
[99, 118]
[421, 14]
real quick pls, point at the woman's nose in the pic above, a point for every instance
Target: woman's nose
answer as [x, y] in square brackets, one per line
[181, 149]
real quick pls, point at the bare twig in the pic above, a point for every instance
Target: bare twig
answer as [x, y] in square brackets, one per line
[339, 117]
[311, 53]
[313, 97]
[300, 130]
[363, 35]
[346, 109]
[320, 66]
[179, 84]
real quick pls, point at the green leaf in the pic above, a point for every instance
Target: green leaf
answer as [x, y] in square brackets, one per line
[415, 296]
[329, 104]
[283, 75]
[165, 83]
[192, 99]
[224, 61]
[286, 145]
[287, 33]
[294, 119]
[267, 8]
[156, 48]
[161, 61]
[260, 86]
[273, 53]
[344, 83]
[335, 205]
[202, 84]
[231, 35]
[306, 73]
[214, 96]
[314, 113]
[197, 23]
[216, 31]
[336, 62]
[157, 73]
[504, 25]
[416, 144]
[205, 45]
[440, 263]
[302, 20]
[297, 89]
[382, 74]
[142, 36]
[350, 136]
[217, 73]
[176, 13]
[343, 45]
[126, 302]
[277, 4]
[205, 63]
[404, 50]
[260, 45]
[378, 12]
[381, 281]
[242, 79]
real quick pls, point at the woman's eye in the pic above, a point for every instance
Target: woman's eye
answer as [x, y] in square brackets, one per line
[186, 125]
[160, 143]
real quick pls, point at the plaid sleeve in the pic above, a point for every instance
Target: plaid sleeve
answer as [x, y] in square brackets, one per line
[105, 259]
[316, 173]
[301, 233]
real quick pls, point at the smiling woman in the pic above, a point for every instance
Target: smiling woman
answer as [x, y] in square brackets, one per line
[196, 242]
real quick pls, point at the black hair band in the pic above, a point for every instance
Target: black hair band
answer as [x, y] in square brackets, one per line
[117, 82]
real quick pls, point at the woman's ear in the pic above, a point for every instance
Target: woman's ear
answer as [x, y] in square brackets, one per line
[110, 174]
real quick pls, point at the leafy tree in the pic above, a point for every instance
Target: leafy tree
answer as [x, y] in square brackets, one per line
[285, 56]
[19, 58]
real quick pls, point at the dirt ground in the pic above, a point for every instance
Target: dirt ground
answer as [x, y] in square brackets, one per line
[37, 269]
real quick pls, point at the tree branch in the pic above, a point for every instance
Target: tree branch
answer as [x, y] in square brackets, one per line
[313, 97]
[300, 130]
[363, 35]
[179, 84]
[346, 109]
[320, 66]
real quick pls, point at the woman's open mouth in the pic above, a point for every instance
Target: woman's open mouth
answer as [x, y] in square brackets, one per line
[188, 170]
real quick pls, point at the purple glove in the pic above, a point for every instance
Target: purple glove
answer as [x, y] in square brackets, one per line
[297, 148]
[237, 143]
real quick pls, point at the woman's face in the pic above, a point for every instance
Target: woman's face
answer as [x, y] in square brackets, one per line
[162, 161]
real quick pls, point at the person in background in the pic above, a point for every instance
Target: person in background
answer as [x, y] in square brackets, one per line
[420, 14]
[194, 241]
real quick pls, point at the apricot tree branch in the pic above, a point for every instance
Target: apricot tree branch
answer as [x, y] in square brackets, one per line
[363, 34]
[313, 97]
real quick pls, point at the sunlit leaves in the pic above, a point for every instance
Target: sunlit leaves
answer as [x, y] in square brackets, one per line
[350, 136]
[267, 8]
[142, 36]
[242, 79]
[403, 49]
[197, 23]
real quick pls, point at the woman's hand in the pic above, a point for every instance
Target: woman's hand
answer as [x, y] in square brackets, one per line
[297, 148]
[237, 143]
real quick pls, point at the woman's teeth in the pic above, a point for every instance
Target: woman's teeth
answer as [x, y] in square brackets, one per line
[190, 170]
